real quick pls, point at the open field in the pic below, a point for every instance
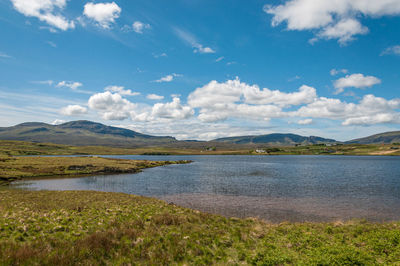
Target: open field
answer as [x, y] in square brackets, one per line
[18, 148]
[12, 168]
[92, 228]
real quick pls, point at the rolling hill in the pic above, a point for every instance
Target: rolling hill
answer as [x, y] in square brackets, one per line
[275, 139]
[80, 133]
[88, 133]
[382, 138]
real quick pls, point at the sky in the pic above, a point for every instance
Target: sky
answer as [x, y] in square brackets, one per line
[204, 69]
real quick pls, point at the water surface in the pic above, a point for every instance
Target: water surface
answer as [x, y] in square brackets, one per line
[274, 188]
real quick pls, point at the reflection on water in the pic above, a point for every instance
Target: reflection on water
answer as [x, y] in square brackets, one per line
[275, 188]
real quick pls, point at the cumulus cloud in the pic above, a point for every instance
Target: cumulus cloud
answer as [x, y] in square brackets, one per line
[218, 101]
[344, 31]
[72, 110]
[355, 81]
[121, 90]
[112, 106]
[392, 50]
[168, 78]
[172, 110]
[330, 19]
[103, 13]
[234, 100]
[45, 10]
[74, 85]
[138, 26]
[154, 97]
[370, 110]
[192, 40]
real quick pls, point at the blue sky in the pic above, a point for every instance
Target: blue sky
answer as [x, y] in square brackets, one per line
[204, 69]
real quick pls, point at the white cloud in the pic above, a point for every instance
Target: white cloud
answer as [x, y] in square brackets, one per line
[70, 84]
[334, 71]
[337, 19]
[193, 129]
[307, 121]
[191, 40]
[168, 78]
[238, 102]
[103, 13]
[46, 11]
[392, 50]
[3, 55]
[344, 31]
[154, 97]
[370, 110]
[52, 44]
[203, 50]
[138, 27]
[111, 105]
[121, 90]
[219, 101]
[44, 82]
[233, 98]
[356, 81]
[172, 110]
[72, 110]
[159, 55]
[58, 122]
[219, 59]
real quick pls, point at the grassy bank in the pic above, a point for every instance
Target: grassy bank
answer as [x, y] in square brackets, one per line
[91, 228]
[12, 168]
[18, 148]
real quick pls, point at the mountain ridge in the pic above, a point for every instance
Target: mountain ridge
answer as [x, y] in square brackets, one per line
[81, 132]
[84, 132]
[381, 138]
[276, 138]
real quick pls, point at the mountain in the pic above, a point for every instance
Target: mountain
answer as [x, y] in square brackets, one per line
[276, 139]
[80, 133]
[382, 138]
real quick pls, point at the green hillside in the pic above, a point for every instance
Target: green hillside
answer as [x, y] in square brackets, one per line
[80, 133]
[276, 139]
[382, 138]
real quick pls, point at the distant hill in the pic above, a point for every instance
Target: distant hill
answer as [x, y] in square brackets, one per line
[382, 138]
[276, 139]
[80, 133]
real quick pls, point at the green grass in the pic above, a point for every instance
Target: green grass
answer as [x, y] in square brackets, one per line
[96, 228]
[18, 148]
[12, 168]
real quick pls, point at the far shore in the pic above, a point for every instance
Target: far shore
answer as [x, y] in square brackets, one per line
[22, 148]
[17, 168]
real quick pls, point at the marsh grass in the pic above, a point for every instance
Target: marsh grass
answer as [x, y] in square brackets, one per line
[18, 148]
[97, 228]
[12, 168]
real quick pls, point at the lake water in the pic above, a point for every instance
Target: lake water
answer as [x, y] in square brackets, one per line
[274, 188]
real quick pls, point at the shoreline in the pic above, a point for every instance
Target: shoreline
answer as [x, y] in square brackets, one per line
[20, 168]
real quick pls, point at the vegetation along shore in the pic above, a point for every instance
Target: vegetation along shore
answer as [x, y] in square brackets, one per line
[97, 228]
[13, 168]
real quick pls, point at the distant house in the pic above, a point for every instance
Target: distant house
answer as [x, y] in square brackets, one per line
[260, 151]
